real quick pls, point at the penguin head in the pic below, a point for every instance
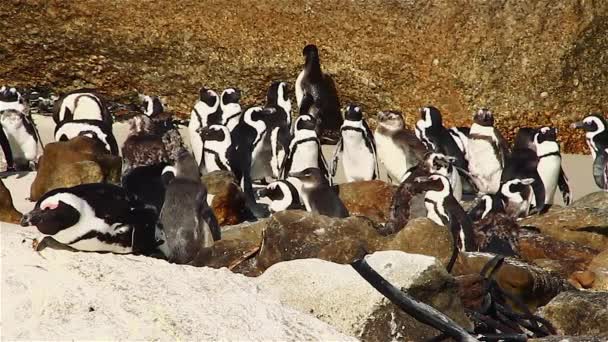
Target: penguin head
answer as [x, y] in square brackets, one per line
[11, 119]
[431, 117]
[438, 163]
[54, 212]
[280, 194]
[231, 95]
[215, 133]
[353, 112]
[186, 167]
[525, 138]
[593, 123]
[278, 92]
[208, 96]
[516, 189]
[305, 122]
[168, 174]
[311, 177]
[484, 117]
[545, 140]
[9, 94]
[433, 182]
[140, 124]
[255, 114]
[152, 105]
[310, 52]
[482, 207]
[391, 120]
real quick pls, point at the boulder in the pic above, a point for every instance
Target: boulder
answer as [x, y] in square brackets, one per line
[578, 313]
[371, 199]
[599, 268]
[225, 197]
[338, 295]
[77, 161]
[8, 213]
[585, 226]
[598, 199]
[562, 338]
[54, 295]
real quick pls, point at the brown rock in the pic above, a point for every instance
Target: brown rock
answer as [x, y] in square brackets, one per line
[77, 161]
[582, 279]
[585, 226]
[599, 267]
[8, 213]
[597, 199]
[228, 201]
[371, 199]
[578, 313]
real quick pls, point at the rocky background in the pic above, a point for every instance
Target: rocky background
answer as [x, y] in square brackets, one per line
[533, 62]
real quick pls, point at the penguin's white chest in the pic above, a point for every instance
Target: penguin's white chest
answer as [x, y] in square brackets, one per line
[484, 166]
[357, 160]
[23, 145]
[305, 156]
[196, 142]
[392, 157]
[549, 168]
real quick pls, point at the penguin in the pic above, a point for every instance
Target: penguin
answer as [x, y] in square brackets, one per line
[494, 230]
[95, 129]
[444, 210]
[97, 217]
[398, 148]
[152, 106]
[217, 149]
[230, 107]
[305, 149]
[22, 137]
[461, 137]
[143, 146]
[438, 138]
[596, 134]
[523, 164]
[10, 98]
[487, 153]
[549, 166]
[254, 151]
[278, 102]
[6, 151]
[207, 105]
[357, 147]
[318, 196]
[187, 224]
[145, 184]
[320, 86]
[81, 104]
[283, 196]
[517, 196]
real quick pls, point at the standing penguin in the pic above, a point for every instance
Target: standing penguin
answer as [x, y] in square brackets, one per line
[596, 137]
[81, 104]
[283, 196]
[318, 196]
[97, 217]
[187, 223]
[322, 90]
[230, 107]
[487, 152]
[305, 148]
[279, 125]
[218, 150]
[523, 164]
[550, 167]
[397, 147]
[207, 104]
[23, 145]
[357, 147]
[443, 209]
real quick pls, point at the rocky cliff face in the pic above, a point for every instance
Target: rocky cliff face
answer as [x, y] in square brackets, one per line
[539, 62]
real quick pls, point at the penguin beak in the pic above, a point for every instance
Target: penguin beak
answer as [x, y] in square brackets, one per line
[261, 193]
[298, 175]
[578, 124]
[421, 179]
[31, 219]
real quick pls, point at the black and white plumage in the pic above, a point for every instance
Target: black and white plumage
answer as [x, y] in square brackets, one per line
[152, 105]
[217, 149]
[487, 152]
[81, 104]
[398, 148]
[305, 148]
[596, 137]
[283, 196]
[207, 105]
[10, 98]
[278, 97]
[443, 209]
[321, 89]
[94, 129]
[517, 196]
[549, 166]
[145, 184]
[356, 146]
[279, 124]
[318, 196]
[24, 147]
[523, 164]
[97, 217]
[230, 107]
[187, 224]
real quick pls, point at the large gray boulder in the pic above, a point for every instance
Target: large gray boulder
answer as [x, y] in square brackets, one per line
[60, 295]
[338, 295]
[578, 313]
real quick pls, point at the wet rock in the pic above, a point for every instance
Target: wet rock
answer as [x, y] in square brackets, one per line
[227, 198]
[371, 199]
[8, 213]
[597, 199]
[77, 161]
[530, 284]
[336, 294]
[599, 268]
[585, 226]
[578, 313]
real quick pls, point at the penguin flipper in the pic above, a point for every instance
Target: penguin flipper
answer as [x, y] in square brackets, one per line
[335, 158]
[6, 148]
[323, 165]
[539, 193]
[564, 187]
[599, 170]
